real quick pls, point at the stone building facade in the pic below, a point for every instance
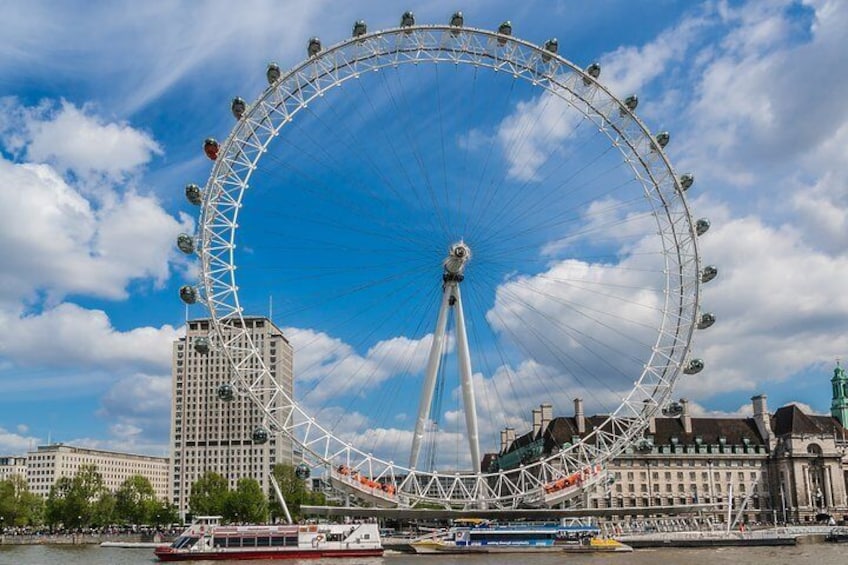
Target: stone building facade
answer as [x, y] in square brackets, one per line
[48, 463]
[788, 466]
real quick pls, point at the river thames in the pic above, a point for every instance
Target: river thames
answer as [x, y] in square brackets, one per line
[802, 554]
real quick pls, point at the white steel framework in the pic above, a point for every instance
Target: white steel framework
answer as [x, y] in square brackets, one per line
[224, 195]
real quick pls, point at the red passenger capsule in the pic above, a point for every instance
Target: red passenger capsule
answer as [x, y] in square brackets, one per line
[210, 147]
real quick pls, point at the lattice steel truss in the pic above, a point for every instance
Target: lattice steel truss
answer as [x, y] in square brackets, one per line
[266, 117]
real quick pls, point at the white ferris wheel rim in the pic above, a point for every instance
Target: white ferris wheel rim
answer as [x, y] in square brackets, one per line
[239, 157]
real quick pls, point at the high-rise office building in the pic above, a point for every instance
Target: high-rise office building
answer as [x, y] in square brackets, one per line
[209, 434]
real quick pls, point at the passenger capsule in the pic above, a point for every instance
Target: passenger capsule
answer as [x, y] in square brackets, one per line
[193, 194]
[211, 147]
[708, 273]
[673, 409]
[694, 367]
[631, 102]
[644, 445]
[313, 47]
[686, 181]
[238, 107]
[185, 243]
[302, 471]
[273, 73]
[359, 28]
[456, 19]
[201, 345]
[702, 226]
[260, 435]
[188, 294]
[594, 71]
[707, 319]
[551, 46]
[662, 139]
[407, 19]
[226, 392]
[504, 29]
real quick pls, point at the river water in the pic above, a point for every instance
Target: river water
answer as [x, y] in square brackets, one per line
[803, 554]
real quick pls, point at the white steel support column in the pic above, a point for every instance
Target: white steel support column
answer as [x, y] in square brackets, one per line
[433, 362]
[465, 375]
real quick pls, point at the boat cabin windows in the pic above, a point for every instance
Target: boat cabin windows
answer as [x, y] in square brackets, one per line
[256, 541]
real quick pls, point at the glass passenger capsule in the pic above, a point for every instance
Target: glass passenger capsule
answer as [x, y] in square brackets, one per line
[260, 435]
[238, 107]
[706, 320]
[456, 19]
[185, 243]
[201, 345]
[313, 47]
[273, 73]
[672, 409]
[302, 471]
[188, 294]
[193, 194]
[504, 29]
[594, 71]
[359, 28]
[551, 46]
[694, 367]
[226, 392]
[407, 19]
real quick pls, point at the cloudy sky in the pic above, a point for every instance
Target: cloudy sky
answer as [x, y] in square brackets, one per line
[104, 107]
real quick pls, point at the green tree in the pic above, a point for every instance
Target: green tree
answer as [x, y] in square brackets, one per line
[164, 513]
[72, 502]
[136, 501]
[247, 503]
[103, 510]
[209, 495]
[294, 491]
[57, 501]
[18, 506]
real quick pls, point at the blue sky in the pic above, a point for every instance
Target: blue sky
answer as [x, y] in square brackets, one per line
[105, 106]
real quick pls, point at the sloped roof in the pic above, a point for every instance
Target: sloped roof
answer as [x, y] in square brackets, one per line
[791, 420]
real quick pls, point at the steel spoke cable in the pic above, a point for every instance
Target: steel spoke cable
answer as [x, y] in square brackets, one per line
[509, 157]
[563, 358]
[413, 144]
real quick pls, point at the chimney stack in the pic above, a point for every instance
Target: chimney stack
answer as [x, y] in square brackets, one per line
[652, 422]
[510, 437]
[763, 420]
[547, 415]
[503, 441]
[685, 418]
[537, 422]
[579, 417]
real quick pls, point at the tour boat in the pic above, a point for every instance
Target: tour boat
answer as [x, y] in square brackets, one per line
[207, 539]
[482, 536]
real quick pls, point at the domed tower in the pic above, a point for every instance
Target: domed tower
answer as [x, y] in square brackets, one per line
[839, 405]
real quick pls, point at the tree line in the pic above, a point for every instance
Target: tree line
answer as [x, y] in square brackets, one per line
[83, 501]
[210, 496]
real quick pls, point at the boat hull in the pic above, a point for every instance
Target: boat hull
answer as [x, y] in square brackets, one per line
[165, 555]
[598, 547]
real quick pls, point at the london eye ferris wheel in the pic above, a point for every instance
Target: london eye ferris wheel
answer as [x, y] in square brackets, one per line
[456, 225]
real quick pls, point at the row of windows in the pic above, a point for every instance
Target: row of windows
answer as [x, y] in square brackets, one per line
[682, 462]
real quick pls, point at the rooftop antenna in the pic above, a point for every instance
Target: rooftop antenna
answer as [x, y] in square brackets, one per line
[270, 308]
